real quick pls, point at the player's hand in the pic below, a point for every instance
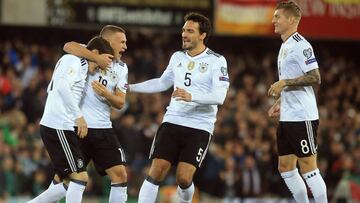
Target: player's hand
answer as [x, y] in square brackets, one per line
[181, 94]
[274, 111]
[82, 129]
[100, 89]
[104, 60]
[276, 88]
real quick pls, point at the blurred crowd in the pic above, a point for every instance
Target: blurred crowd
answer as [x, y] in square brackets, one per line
[242, 160]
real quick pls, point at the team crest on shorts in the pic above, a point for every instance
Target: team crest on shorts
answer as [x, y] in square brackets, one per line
[80, 163]
[203, 67]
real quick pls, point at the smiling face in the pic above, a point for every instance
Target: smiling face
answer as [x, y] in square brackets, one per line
[281, 21]
[191, 37]
[118, 43]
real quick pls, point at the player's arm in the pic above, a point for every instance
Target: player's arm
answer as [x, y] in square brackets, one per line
[158, 84]
[74, 48]
[274, 111]
[64, 91]
[216, 97]
[310, 78]
[116, 100]
[304, 56]
[151, 86]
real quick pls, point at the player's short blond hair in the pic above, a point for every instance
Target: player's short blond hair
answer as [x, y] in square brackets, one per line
[290, 8]
[110, 29]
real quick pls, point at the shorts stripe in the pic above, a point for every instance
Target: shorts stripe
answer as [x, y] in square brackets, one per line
[122, 154]
[207, 147]
[152, 146]
[310, 134]
[66, 148]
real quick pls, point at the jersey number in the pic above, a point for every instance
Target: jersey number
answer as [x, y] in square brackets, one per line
[304, 146]
[102, 81]
[187, 79]
[199, 155]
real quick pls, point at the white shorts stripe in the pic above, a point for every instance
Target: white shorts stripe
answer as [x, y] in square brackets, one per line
[67, 151]
[310, 136]
[152, 146]
[207, 147]
[122, 154]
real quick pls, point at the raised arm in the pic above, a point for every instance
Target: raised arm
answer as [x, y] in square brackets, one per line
[74, 48]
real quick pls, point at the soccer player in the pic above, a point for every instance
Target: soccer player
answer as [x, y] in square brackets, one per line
[61, 114]
[200, 80]
[105, 89]
[296, 106]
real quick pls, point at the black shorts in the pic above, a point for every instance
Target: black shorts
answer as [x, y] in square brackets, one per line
[297, 138]
[64, 150]
[176, 143]
[103, 148]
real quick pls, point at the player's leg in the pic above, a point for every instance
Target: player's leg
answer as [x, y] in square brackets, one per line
[118, 177]
[288, 160]
[158, 170]
[292, 178]
[54, 193]
[71, 164]
[109, 159]
[195, 144]
[78, 181]
[57, 189]
[164, 152]
[308, 165]
[184, 176]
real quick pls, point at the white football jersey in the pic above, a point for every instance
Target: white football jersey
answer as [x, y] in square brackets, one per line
[199, 74]
[56, 114]
[95, 108]
[295, 59]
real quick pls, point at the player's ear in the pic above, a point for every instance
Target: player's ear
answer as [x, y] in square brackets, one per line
[95, 51]
[203, 35]
[292, 20]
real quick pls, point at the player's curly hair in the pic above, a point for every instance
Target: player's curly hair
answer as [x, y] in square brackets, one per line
[290, 8]
[204, 23]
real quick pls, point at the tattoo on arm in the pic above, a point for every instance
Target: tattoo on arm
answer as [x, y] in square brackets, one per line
[310, 78]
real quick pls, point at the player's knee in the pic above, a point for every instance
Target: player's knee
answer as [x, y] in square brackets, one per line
[283, 167]
[117, 175]
[159, 171]
[82, 176]
[184, 180]
[307, 165]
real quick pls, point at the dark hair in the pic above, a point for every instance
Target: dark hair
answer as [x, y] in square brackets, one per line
[290, 7]
[204, 23]
[107, 29]
[101, 45]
